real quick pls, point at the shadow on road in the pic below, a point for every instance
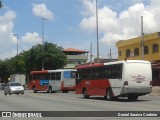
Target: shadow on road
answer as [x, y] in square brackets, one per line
[117, 100]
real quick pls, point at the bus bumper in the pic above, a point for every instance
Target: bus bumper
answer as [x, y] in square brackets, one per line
[69, 88]
[137, 90]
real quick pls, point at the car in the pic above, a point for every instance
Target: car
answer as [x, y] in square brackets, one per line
[13, 88]
[1, 86]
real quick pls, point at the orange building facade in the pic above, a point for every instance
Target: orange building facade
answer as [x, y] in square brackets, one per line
[75, 57]
[148, 49]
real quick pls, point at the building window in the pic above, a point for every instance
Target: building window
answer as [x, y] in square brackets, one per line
[136, 51]
[128, 53]
[120, 53]
[155, 48]
[146, 50]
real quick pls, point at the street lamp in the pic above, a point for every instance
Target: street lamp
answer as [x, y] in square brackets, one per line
[142, 41]
[43, 42]
[16, 35]
[97, 32]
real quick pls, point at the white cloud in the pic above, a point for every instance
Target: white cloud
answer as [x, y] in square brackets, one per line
[41, 10]
[89, 8]
[126, 24]
[7, 41]
[155, 3]
[29, 40]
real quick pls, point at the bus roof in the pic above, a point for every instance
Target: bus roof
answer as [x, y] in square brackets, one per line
[49, 71]
[39, 72]
[127, 61]
[89, 65]
[109, 63]
[59, 70]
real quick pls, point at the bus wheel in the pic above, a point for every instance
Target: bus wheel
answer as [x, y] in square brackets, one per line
[132, 97]
[34, 89]
[85, 94]
[50, 89]
[109, 94]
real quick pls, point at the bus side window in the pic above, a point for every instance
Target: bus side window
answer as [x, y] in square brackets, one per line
[101, 72]
[53, 76]
[90, 74]
[58, 75]
[117, 71]
[108, 72]
[84, 74]
[121, 68]
[77, 77]
[94, 73]
[73, 74]
[97, 73]
[47, 76]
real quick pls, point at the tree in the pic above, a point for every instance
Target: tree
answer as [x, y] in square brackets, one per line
[53, 57]
[1, 4]
[30, 60]
[4, 71]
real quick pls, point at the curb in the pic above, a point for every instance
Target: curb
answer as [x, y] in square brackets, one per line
[155, 91]
[152, 95]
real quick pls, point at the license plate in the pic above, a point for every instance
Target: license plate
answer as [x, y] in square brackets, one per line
[139, 81]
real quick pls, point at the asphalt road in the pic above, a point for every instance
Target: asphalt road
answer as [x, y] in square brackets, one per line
[71, 102]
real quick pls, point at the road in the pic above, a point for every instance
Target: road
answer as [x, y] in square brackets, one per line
[71, 102]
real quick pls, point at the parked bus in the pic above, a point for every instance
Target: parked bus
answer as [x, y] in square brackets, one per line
[130, 78]
[52, 80]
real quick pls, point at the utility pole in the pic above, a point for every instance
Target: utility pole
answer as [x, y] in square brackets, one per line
[142, 40]
[91, 53]
[43, 43]
[110, 54]
[16, 35]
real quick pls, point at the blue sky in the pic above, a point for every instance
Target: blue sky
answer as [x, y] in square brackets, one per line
[71, 23]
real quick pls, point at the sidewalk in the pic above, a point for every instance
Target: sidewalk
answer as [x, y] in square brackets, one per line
[155, 91]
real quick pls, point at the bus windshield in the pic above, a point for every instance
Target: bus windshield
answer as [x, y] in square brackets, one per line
[69, 74]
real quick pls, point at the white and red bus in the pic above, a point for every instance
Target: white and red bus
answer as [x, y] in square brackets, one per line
[52, 80]
[131, 78]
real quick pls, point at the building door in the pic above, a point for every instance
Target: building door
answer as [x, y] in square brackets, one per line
[155, 77]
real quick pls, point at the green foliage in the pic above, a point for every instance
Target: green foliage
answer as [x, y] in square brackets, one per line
[1, 4]
[30, 60]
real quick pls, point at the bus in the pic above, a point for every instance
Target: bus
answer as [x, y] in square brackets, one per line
[52, 80]
[130, 78]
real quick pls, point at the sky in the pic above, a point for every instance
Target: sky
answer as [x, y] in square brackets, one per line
[72, 23]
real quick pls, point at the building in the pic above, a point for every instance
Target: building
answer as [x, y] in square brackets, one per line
[104, 60]
[146, 48]
[75, 57]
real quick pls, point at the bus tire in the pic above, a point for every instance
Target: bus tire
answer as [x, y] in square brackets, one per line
[132, 97]
[50, 89]
[34, 89]
[109, 94]
[85, 94]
